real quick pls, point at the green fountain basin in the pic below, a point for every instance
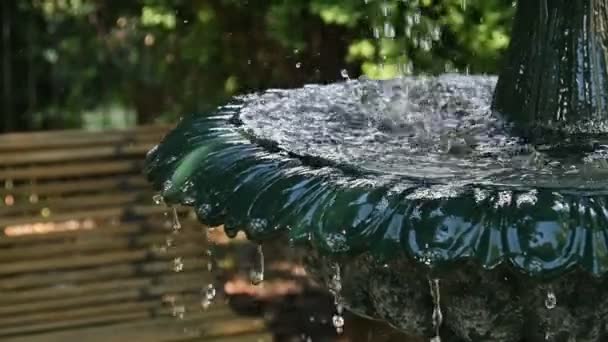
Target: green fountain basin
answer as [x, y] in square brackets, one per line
[403, 181]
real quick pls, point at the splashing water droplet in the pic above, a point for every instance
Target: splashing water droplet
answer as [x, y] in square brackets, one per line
[178, 264]
[257, 274]
[437, 314]
[551, 300]
[298, 65]
[344, 74]
[338, 322]
[158, 199]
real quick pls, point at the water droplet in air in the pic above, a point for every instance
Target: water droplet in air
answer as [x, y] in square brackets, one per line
[158, 199]
[344, 74]
[257, 274]
[178, 264]
[551, 300]
[338, 322]
[209, 296]
[167, 186]
[298, 65]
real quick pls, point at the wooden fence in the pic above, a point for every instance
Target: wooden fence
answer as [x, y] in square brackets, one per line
[85, 253]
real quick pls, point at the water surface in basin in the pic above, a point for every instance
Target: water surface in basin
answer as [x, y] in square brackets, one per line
[435, 129]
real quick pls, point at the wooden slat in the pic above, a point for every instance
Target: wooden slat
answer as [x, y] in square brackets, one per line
[58, 292]
[106, 230]
[152, 285]
[74, 203]
[121, 182]
[62, 286]
[162, 329]
[10, 158]
[55, 139]
[84, 169]
[105, 213]
[148, 286]
[80, 215]
[77, 313]
[125, 294]
[105, 273]
[112, 317]
[152, 225]
[80, 245]
[94, 260]
[63, 263]
[34, 135]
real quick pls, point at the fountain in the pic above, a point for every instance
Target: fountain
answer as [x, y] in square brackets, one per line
[420, 205]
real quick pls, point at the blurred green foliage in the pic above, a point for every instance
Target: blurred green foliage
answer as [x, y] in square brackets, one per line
[161, 58]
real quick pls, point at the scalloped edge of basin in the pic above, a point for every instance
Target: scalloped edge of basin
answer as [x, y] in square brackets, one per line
[231, 178]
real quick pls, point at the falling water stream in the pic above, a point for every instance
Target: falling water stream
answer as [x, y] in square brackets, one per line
[256, 275]
[335, 287]
[209, 291]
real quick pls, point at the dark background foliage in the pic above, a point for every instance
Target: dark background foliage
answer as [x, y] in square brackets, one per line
[103, 63]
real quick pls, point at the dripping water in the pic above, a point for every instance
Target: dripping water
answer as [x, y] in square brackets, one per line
[550, 304]
[175, 224]
[208, 296]
[158, 199]
[178, 309]
[257, 273]
[209, 292]
[335, 287]
[437, 316]
[550, 299]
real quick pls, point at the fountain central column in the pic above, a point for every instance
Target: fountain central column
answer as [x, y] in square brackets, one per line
[555, 78]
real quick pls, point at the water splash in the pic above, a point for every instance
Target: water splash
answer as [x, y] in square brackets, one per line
[344, 74]
[158, 199]
[257, 274]
[437, 316]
